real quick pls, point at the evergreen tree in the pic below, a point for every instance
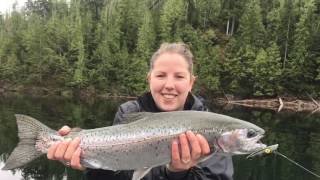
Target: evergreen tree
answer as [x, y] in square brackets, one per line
[35, 44]
[12, 63]
[58, 45]
[315, 43]
[79, 78]
[207, 13]
[107, 44]
[300, 68]
[208, 76]
[243, 52]
[286, 29]
[230, 13]
[267, 71]
[172, 20]
[273, 21]
[251, 30]
[146, 38]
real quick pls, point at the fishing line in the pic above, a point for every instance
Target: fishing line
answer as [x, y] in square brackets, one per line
[297, 164]
[273, 150]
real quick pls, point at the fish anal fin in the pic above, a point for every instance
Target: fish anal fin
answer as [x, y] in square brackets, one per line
[140, 173]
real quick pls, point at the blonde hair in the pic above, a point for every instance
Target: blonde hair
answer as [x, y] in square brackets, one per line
[178, 48]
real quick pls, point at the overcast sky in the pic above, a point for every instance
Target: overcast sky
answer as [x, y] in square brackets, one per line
[6, 5]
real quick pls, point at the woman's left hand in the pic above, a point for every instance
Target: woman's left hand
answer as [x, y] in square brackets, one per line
[188, 156]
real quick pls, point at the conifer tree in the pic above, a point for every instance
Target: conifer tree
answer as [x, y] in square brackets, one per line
[286, 29]
[251, 30]
[172, 20]
[267, 71]
[207, 12]
[79, 78]
[12, 50]
[299, 56]
[273, 22]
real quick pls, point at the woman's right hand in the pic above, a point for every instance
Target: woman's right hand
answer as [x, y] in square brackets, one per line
[68, 151]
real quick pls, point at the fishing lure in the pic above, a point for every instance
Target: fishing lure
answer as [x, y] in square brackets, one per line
[264, 151]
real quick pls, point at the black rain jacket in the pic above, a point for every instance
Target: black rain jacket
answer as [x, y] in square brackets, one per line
[216, 168]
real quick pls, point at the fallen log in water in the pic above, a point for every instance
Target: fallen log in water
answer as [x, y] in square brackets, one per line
[278, 104]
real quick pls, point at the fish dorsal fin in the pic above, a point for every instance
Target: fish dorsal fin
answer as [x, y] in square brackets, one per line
[140, 173]
[132, 117]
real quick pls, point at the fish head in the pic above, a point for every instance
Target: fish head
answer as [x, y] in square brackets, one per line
[241, 141]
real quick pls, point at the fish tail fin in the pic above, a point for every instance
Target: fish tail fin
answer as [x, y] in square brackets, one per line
[28, 132]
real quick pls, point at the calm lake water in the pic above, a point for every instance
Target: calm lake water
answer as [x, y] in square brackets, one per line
[298, 136]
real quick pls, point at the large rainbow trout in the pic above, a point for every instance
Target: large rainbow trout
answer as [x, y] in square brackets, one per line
[140, 145]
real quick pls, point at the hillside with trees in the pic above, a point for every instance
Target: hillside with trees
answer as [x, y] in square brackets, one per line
[247, 48]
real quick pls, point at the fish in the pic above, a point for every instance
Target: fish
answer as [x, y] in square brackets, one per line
[143, 143]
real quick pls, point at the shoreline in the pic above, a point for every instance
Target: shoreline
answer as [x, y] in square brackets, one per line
[88, 94]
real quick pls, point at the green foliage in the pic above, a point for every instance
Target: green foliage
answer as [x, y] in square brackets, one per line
[248, 48]
[146, 38]
[251, 30]
[207, 13]
[267, 71]
[172, 20]
[273, 22]
[286, 29]
[301, 41]
[208, 76]
[301, 67]
[77, 46]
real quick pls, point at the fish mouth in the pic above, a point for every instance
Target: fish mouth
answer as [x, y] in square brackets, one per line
[255, 144]
[241, 141]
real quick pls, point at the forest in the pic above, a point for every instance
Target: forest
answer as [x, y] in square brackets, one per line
[248, 48]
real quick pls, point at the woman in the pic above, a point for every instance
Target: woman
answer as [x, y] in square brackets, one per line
[170, 81]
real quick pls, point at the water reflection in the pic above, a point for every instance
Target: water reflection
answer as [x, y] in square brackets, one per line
[298, 137]
[10, 175]
[297, 134]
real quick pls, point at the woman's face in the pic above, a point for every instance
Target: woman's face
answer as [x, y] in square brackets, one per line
[170, 81]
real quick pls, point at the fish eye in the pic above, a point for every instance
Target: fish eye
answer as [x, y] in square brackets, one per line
[251, 133]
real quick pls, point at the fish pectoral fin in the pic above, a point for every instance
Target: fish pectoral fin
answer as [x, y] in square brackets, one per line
[140, 173]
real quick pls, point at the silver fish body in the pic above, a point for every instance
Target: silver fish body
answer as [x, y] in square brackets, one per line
[147, 142]
[143, 143]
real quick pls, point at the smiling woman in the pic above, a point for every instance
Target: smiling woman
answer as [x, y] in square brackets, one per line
[170, 77]
[170, 81]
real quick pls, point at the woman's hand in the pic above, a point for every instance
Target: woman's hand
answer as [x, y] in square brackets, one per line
[67, 152]
[187, 156]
